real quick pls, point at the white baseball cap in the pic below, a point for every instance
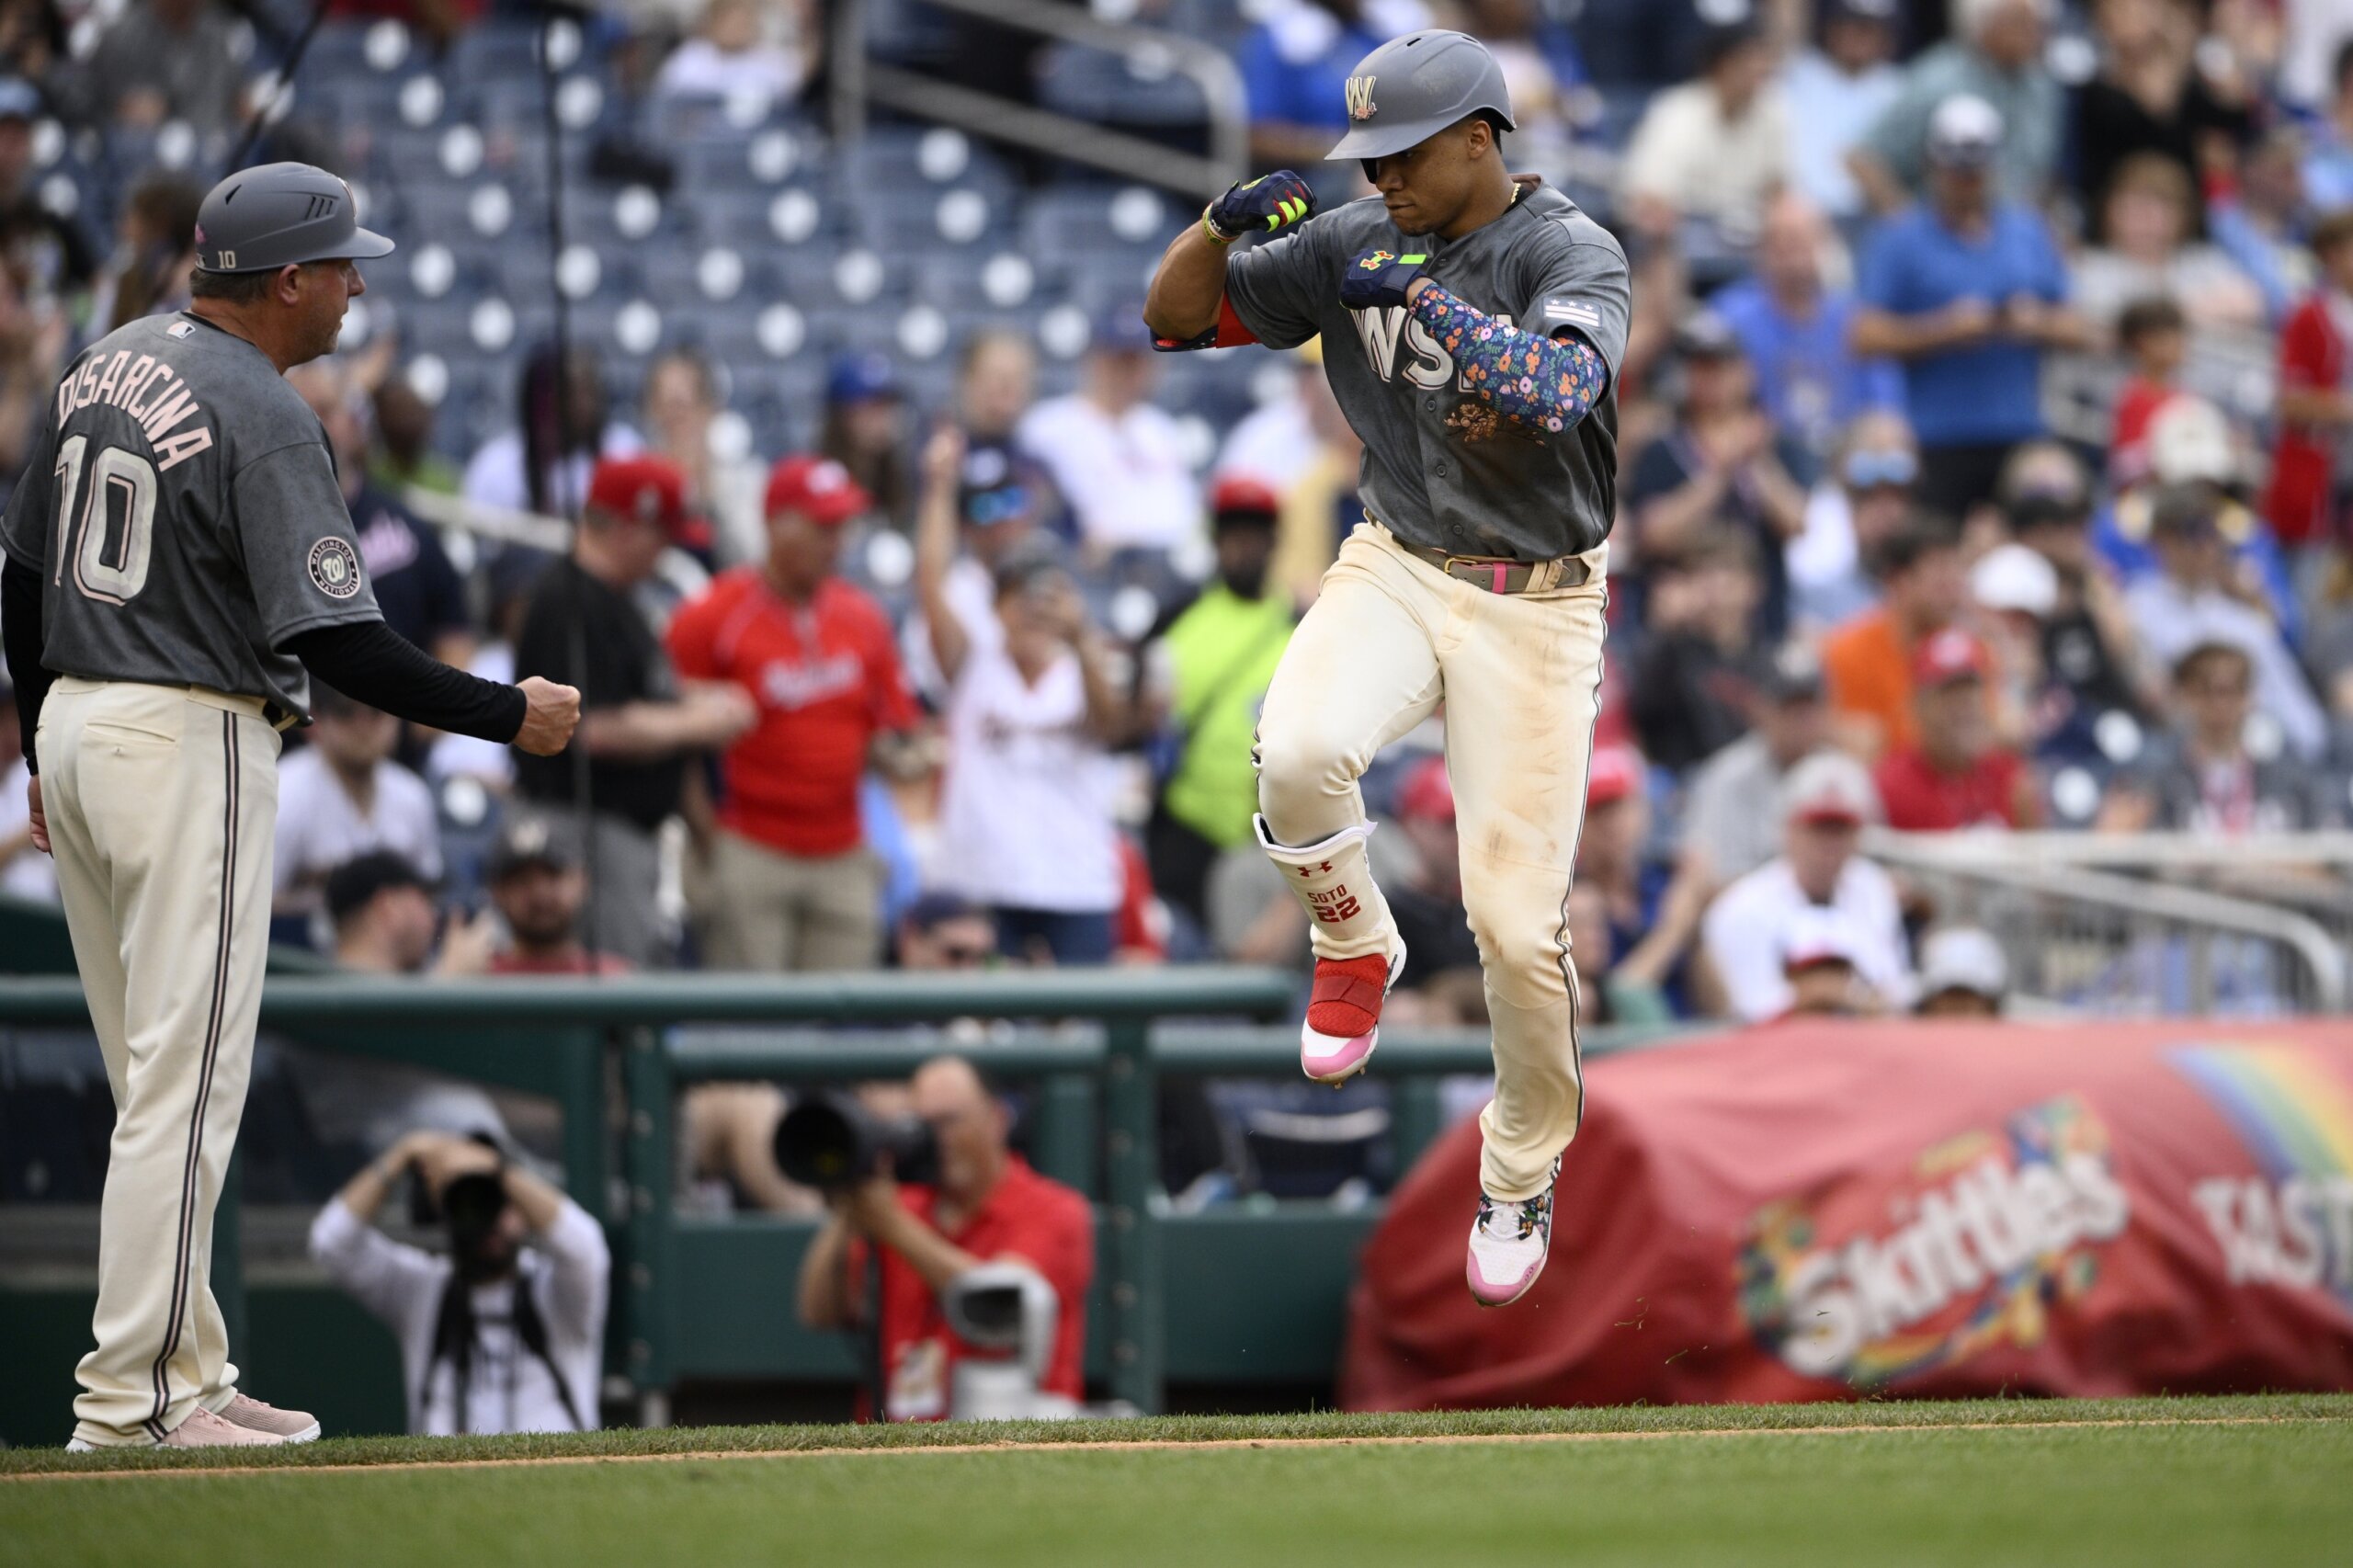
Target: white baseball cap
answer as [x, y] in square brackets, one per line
[2189, 440]
[1829, 785]
[1964, 957]
[1818, 935]
[1965, 132]
[2011, 577]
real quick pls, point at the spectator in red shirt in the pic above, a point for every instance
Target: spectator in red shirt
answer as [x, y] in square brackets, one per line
[987, 1207]
[792, 883]
[2316, 406]
[2154, 335]
[536, 886]
[1956, 774]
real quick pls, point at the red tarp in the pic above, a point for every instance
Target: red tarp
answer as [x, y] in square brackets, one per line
[1811, 1210]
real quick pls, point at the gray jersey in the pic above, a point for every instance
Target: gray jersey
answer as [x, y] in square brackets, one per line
[183, 511]
[1437, 470]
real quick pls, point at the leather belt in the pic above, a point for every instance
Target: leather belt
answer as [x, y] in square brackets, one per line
[1501, 574]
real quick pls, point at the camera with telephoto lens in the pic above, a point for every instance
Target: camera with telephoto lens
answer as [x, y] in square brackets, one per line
[830, 1142]
[471, 1206]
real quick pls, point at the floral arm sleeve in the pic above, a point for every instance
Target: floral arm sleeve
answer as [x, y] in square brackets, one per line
[1538, 383]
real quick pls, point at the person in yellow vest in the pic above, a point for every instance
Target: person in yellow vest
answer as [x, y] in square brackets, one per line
[1206, 669]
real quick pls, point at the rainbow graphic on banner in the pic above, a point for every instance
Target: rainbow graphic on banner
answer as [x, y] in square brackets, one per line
[2295, 1115]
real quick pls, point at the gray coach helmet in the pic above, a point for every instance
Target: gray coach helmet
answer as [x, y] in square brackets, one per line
[259, 219]
[1413, 88]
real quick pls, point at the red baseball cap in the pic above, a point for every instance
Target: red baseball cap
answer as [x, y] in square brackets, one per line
[1950, 655]
[1615, 773]
[818, 488]
[1244, 492]
[1427, 792]
[650, 489]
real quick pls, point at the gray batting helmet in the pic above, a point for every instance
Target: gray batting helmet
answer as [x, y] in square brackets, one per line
[1413, 88]
[259, 219]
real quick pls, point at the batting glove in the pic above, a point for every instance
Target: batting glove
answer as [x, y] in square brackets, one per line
[1274, 201]
[1379, 278]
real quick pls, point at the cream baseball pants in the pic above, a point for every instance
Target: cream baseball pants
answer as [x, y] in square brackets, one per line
[161, 805]
[1388, 640]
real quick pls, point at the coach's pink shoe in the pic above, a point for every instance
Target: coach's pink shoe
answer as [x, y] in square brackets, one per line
[287, 1426]
[1509, 1243]
[1343, 1015]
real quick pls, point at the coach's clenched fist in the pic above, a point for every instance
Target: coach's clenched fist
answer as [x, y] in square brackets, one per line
[553, 714]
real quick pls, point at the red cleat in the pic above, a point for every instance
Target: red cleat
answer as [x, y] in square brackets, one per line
[1343, 1015]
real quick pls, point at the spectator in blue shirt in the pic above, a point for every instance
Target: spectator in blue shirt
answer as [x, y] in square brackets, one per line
[1838, 93]
[1295, 68]
[1966, 291]
[1794, 329]
[2328, 165]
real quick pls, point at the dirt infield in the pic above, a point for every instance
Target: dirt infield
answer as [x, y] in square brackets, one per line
[1174, 1444]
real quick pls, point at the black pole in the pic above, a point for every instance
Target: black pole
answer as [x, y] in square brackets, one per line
[285, 85]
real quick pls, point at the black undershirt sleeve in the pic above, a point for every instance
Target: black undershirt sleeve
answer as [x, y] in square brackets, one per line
[370, 663]
[21, 628]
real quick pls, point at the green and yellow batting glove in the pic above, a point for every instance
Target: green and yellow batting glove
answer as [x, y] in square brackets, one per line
[1271, 201]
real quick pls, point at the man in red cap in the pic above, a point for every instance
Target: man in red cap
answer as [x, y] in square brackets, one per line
[1206, 669]
[1955, 774]
[638, 725]
[792, 885]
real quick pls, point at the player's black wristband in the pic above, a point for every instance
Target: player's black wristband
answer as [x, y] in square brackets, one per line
[20, 629]
[368, 662]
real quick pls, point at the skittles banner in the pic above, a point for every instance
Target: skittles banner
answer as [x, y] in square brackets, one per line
[1817, 1209]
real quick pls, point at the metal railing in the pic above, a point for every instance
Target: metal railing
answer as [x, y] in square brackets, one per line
[2122, 923]
[859, 81]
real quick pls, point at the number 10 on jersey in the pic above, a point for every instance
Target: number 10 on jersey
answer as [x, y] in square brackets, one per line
[86, 519]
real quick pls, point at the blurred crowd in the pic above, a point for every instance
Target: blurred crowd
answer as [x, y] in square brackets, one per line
[1980, 438]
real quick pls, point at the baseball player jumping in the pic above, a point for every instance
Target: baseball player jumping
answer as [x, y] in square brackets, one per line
[1473, 325]
[179, 565]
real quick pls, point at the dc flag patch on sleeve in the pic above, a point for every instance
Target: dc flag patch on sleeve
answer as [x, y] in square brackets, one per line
[1558, 312]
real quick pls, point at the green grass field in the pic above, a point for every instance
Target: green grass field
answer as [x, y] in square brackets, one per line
[2080, 1483]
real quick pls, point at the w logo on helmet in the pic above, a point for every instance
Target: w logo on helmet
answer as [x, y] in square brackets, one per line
[1360, 98]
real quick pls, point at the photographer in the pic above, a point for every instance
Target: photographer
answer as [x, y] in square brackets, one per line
[496, 1337]
[985, 1206]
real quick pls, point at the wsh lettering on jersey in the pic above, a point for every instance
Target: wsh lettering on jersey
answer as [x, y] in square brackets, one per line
[148, 389]
[1386, 330]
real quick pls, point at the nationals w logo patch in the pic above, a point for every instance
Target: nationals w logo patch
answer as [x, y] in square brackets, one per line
[1360, 98]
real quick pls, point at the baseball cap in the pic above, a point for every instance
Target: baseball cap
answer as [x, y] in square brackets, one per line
[1868, 469]
[650, 489]
[1829, 785]
[1614, 773]
[533, 841]
[818, 488]
[1964, 957]
[354, 885]
[1947, 656]
[1965, 132]
[2011, 577]
[2189, 440]
[858, 378]
[19, 99]
[1818, 935]
[276, 215]
[1704, 334]
[1792, 673]
[1245, 496]
[1427, 794]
